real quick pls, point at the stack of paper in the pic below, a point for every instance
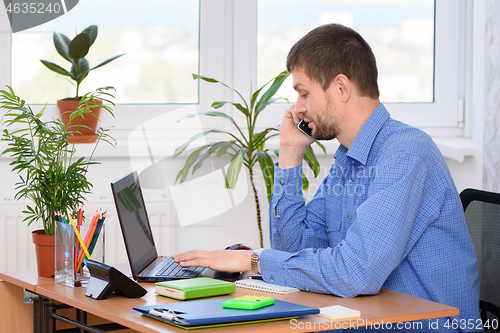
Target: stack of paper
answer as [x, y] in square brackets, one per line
[338, 312]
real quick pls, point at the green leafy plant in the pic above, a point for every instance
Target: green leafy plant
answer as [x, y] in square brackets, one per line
[75, 51]
[246, 146]
[50, 175]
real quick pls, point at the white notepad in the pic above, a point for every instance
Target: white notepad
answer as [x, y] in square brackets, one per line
[338, 312]
[264, 286]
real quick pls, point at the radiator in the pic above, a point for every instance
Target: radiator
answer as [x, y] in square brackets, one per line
[17, 251]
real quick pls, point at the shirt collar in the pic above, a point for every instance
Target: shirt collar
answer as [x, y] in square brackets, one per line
[360, 148]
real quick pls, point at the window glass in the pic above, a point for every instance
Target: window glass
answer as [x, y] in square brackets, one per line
[400, 32]
[159, 37]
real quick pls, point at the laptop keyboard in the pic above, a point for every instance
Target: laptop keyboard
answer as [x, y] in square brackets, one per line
[171, 268]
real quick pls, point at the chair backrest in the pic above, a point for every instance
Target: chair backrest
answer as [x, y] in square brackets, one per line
[482, 214]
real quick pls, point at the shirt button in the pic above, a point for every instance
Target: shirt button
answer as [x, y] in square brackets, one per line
[282, 182]
[307, 290]
[351, 180]
[277, 217]
[349, 216]
[271, 278]
[327, 225]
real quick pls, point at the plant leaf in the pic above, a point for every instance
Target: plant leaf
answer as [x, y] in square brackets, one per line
[183, 147]
[81, 77]
[61, 42]
[224, 148]
[217, 105]
[196, 76]
[107, 61]
[92, 32]
[204, 78]
[39, 114]
[321, 146]
[271, 101]
[234, 168]
[56, 68]
[209, 113]
[311, 160]
[82, 71]
[255, 95]
[267, 166]
[79, 46]
[305, 183]
[277, 82]
[182, 174]
[213, 148]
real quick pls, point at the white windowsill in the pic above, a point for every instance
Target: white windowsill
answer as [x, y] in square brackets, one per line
[456, 148]
[453, 148]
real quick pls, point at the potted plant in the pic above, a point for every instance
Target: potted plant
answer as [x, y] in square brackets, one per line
[245, 145]
[75, 51]
[51, 176]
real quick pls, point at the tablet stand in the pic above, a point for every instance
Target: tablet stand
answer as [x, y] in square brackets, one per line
[105, 280]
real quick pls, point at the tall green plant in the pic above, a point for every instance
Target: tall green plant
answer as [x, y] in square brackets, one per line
[50, 175]
[75, 50]
[245, 145]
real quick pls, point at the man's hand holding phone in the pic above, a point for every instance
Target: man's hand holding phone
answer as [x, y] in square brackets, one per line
[292, 140]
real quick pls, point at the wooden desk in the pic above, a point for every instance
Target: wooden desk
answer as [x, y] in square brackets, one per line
[387, 306]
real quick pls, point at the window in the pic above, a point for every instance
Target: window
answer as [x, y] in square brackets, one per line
[400, 33]
[160, 40]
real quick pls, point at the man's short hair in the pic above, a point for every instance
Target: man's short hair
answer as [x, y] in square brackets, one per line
[333, 49]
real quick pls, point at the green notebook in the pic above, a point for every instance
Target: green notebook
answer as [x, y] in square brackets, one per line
[194, 288]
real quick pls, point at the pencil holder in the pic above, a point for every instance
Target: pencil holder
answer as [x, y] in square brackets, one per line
[70, 269]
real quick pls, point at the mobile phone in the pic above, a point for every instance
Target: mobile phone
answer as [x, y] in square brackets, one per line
[304, 128]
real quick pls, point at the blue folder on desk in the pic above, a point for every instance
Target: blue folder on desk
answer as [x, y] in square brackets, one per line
[210, 312]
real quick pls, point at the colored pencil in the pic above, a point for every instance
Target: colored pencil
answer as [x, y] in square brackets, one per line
[88, 240]
[79, 237]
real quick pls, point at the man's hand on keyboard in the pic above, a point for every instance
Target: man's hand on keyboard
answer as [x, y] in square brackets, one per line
[220, 260]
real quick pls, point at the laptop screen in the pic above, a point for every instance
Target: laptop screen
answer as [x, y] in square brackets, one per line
[134, 222]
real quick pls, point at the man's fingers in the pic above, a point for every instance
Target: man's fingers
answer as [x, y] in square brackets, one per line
[295, 115]
[190, 255]
[189, 263]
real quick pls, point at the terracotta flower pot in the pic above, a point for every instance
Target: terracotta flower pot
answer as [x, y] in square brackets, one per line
[44, 249]
[88, 135]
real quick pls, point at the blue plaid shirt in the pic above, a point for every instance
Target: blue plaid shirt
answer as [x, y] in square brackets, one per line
[387, 215]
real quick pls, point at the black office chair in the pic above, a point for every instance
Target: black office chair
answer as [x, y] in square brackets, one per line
[482, 214]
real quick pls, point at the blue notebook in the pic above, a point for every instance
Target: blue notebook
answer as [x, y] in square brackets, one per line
[210, 312]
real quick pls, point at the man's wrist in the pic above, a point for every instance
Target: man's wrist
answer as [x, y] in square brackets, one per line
[255, 260]
[290, 157]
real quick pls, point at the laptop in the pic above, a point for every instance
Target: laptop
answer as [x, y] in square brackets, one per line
[143, 257]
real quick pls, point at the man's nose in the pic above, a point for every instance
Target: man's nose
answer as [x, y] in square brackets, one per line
[300, 106]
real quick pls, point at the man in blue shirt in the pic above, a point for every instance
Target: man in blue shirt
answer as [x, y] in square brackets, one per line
[388, 213]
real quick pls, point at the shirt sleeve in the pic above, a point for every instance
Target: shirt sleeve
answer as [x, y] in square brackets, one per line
[374, 245]
[293, 227]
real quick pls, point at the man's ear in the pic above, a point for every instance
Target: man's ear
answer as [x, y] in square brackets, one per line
[343, 86]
